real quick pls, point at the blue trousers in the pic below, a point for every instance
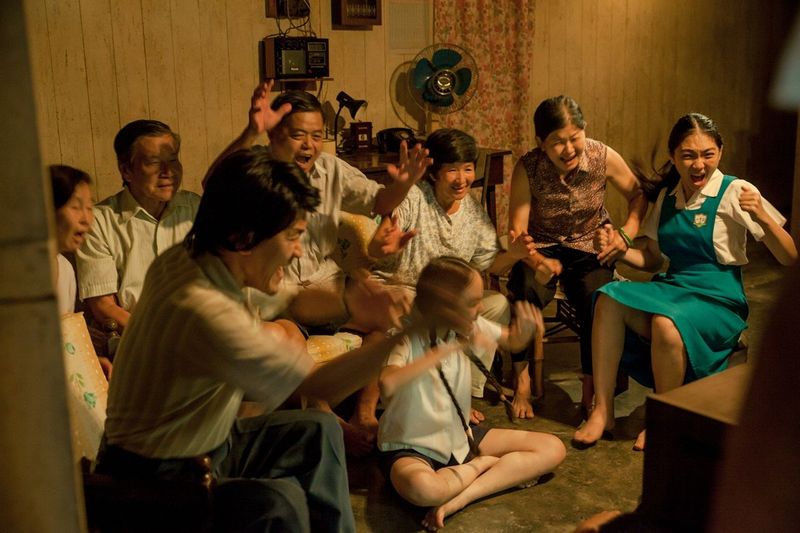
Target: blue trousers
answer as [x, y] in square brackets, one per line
[284, 471]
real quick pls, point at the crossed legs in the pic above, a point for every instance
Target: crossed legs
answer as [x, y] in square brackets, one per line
[509, 458]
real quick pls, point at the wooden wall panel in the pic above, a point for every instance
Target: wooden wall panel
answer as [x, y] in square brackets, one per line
[130, 59]
[190, 84]
[160, 61]
[101, 80]
[634, 66]
[42, 74]
[69, 74]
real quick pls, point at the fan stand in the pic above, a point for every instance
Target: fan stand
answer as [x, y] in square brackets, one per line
[433, 122]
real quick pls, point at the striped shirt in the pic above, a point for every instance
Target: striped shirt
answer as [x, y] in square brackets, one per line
[124, 241]
[190, 351]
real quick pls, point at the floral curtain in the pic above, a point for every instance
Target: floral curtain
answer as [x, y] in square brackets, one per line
[499, 35]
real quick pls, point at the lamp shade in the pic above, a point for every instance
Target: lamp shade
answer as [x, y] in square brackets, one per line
[350, 103]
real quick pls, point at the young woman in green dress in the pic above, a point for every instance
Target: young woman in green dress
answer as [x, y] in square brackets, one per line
[682, 325]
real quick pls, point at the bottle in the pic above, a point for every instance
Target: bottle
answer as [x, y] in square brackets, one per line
[111, 329]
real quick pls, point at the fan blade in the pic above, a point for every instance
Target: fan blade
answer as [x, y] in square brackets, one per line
[463, 79]
[445, 58]
[438, 100]
[423, 70]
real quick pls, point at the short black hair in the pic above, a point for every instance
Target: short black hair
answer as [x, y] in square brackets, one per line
[64, 179]
[130, 133]
[249, 198]
[556, 113]
[302, 102]
[448, 145]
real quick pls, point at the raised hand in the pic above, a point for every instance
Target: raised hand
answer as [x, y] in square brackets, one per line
[412, 166]
[750, 202]
[261, 116]
[374, 306]
[527, 321]
[389, 238]
[521, 245]
[612, 245]
[547, 269]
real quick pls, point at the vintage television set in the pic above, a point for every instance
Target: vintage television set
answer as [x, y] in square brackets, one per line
[286, 58]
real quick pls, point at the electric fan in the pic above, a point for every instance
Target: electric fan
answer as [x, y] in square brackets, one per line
[442, 78]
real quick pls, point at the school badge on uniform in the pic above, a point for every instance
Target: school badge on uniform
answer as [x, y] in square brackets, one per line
[700, 220]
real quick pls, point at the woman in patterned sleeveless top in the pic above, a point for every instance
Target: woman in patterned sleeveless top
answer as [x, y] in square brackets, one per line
[684, 324]
[557, 197]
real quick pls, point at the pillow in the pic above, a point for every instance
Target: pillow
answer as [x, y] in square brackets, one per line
[87, 388]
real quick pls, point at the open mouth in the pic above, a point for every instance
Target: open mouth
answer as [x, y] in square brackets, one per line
[302, 160]
[569, 160]
[697, 178]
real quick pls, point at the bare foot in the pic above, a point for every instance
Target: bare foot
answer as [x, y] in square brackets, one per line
[522, 406]
[589, 433]
[638, 446]
[357, 441]
[434, 519]
[595, 522]
[522, 396]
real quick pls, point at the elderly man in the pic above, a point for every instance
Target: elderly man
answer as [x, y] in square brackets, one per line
[323, 296]
[173, 402]
[148, 216]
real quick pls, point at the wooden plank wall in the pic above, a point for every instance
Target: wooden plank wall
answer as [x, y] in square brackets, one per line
[98, 64]
[633, 65]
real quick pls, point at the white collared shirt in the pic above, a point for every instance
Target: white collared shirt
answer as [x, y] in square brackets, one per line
[732, 222]
[421, 415]
[342, 188]
[124, 241]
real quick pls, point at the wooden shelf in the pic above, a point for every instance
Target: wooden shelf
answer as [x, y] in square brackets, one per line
[356, 13]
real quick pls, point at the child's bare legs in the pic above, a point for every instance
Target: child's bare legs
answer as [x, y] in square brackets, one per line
[524, 456]
[363, 416]
[417, 482]
[668, 358]
[608, 340]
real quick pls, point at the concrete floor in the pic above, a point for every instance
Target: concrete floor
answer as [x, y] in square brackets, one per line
[607, 476]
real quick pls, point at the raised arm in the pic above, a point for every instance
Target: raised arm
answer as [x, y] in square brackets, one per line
[388, 239]
[777, 239]
[393, 377]
[527, 321]
[412, 167]
[620, 176]
[261, 120]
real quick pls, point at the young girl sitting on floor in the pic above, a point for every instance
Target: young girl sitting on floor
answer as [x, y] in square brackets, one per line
[433, 458]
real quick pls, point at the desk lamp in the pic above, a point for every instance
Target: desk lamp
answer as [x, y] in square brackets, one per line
[345, 100]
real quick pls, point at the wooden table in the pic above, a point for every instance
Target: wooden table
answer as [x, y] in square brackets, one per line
[373, 164]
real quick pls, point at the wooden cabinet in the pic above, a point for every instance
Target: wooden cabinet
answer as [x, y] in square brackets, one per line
[356, 13]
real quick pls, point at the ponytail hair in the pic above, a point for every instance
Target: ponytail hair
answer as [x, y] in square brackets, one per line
[666, 176]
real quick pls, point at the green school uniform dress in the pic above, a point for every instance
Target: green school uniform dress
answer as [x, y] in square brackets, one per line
[704, 298]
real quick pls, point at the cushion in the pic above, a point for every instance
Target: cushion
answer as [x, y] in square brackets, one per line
[87, 388]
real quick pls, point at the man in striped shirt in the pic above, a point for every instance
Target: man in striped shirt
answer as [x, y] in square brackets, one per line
[194, 347]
